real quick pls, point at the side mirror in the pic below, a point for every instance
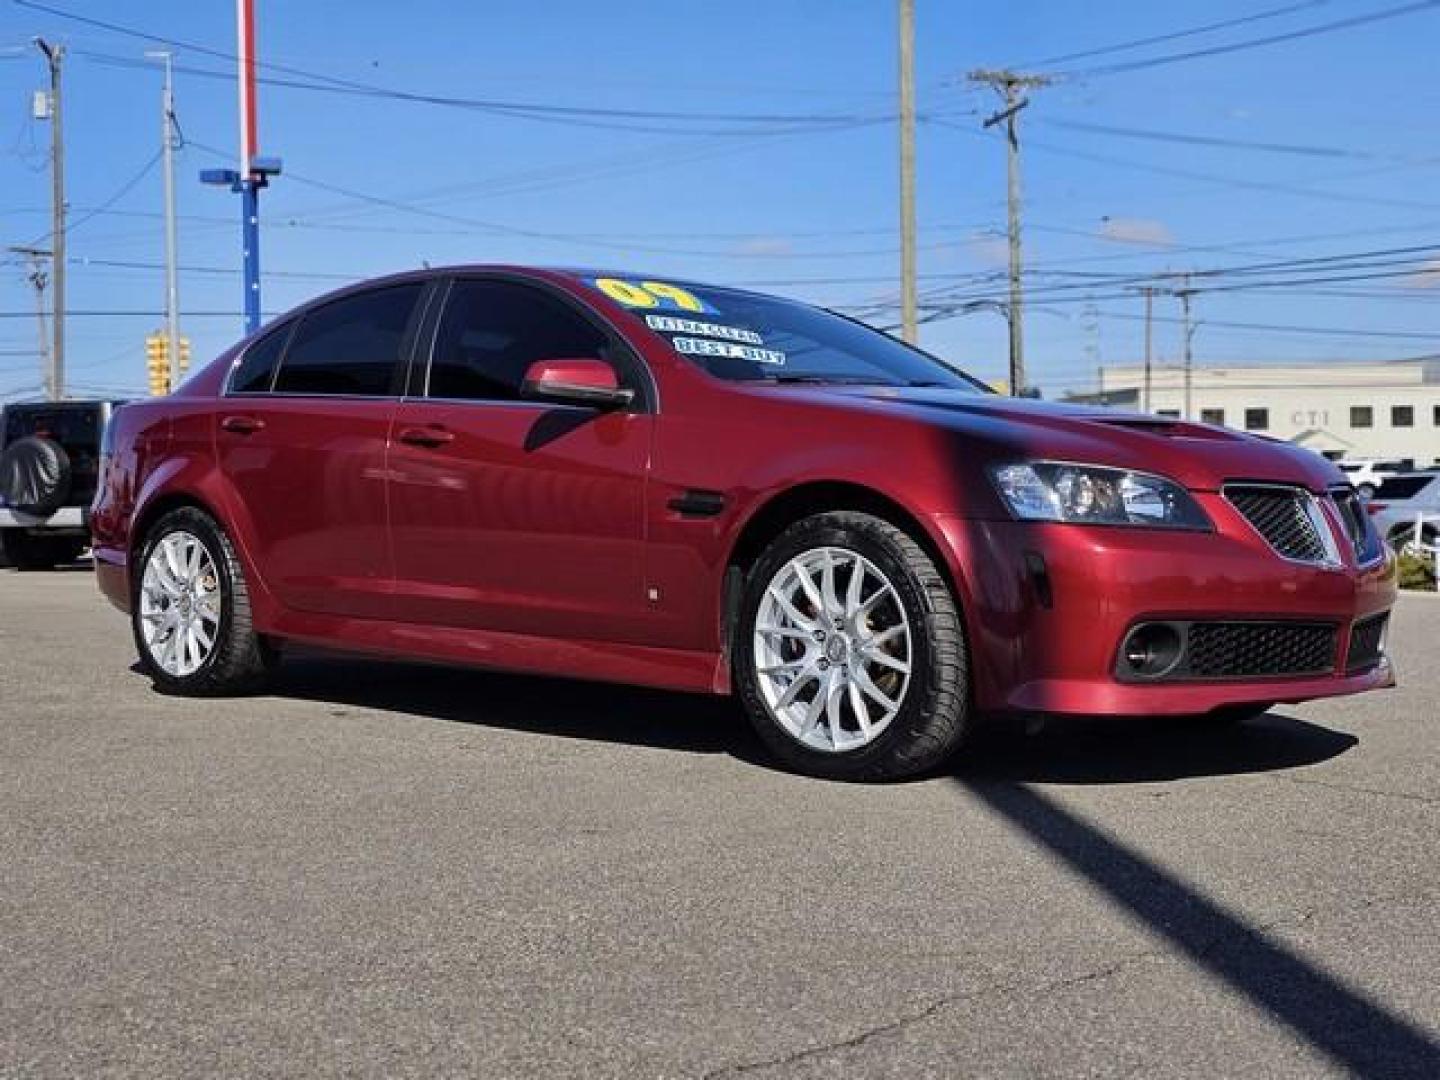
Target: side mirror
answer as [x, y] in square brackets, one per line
[575, 381]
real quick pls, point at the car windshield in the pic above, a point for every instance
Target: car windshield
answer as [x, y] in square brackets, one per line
[748, 337]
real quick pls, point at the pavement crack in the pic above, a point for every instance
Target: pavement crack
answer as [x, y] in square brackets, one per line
[1357, 789]
[919, 1016]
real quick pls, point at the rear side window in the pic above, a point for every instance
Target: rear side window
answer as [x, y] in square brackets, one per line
[350, 347]
[256, 370]
[492, 331]
[1402, 487]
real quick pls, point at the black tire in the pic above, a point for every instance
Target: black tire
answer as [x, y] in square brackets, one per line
[35, 476]
[241, 660]
[935, 715]
[31, 551]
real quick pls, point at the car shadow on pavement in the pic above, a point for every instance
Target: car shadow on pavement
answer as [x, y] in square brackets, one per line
[1129, 750]
[1337, 1019]
[564, 708]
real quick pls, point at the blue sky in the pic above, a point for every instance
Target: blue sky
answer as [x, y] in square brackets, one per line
[802, 206]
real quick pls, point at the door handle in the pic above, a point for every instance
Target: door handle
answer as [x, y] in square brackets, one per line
[242, 425]
[425, 436]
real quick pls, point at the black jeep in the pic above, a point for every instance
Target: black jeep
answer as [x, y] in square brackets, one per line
[49, 467]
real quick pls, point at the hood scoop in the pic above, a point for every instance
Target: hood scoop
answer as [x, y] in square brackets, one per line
[1167, 428]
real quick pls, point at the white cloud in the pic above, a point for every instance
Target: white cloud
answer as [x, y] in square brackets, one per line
[1136, 231]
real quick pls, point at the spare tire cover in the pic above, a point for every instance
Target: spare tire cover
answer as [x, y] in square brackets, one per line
[34, 476]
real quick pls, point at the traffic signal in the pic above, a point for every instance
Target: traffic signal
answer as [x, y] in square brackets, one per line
[157, 364]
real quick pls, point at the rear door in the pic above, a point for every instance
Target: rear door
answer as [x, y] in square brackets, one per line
[302, 438]
[510, 514]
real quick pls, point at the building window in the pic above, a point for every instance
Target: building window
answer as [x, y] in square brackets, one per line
[1168, 414]
[1437, 416]
[1257, 419]
[1402, 415]
[1362, 416]
[1212, 416]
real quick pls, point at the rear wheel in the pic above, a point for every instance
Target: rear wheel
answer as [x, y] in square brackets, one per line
[849, 654]
[191, 610]
[32, 551]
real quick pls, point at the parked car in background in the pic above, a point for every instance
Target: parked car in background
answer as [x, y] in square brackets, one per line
[707, 489]
[1367, 474]
[1403, 502]
[49, 466]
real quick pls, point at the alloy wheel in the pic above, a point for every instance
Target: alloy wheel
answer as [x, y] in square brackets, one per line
[832, 649]
[180, 604]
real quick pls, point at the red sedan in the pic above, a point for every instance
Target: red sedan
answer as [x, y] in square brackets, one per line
[711, 490]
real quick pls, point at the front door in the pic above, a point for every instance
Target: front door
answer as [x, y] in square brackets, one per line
[516, 515]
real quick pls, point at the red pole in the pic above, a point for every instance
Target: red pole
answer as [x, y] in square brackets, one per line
[245, 40]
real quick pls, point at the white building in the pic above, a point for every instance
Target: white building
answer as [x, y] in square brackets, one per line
[1387, 410]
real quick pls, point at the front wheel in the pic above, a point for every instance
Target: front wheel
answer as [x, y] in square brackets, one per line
[849, 655]
[191, 610]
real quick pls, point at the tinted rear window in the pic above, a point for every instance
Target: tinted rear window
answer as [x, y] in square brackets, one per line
[350, 346]
[257, 367]
[1402, 487]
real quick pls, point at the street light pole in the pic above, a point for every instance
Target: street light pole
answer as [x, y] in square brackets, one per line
[172, 283]
[55, 377]
[909, 326]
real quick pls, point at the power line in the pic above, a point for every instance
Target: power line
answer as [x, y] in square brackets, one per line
[1253, 43]
[1209, 178]
[1236, 144]
[1158, 39]
[320, 81]
[1318, 331]
[124, 189]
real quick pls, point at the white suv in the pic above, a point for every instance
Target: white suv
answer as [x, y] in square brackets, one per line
[1367, 474]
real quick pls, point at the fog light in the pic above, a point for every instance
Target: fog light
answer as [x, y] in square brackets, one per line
[1151, 650]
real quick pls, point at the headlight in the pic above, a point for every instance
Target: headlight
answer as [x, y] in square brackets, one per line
[1090, 494]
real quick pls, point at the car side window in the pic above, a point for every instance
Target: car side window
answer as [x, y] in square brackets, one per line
[492, 331]
[256, 370]
[351, 346]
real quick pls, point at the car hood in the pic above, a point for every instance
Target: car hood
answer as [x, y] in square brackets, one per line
[1200, 456]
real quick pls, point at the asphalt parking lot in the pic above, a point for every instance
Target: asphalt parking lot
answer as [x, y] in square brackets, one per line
[406, 871]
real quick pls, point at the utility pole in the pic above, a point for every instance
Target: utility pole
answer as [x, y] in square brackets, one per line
[1011, 86]
[1188, 329]
[172, 284]
[39, 279]
[55, 377]
[909, 329]
[1149, 318]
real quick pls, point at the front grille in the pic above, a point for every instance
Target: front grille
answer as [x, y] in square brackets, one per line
[1367, 638]
[1284, 516]
[1238, 650]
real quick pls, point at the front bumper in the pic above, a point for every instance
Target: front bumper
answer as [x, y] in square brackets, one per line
[1048, 605]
